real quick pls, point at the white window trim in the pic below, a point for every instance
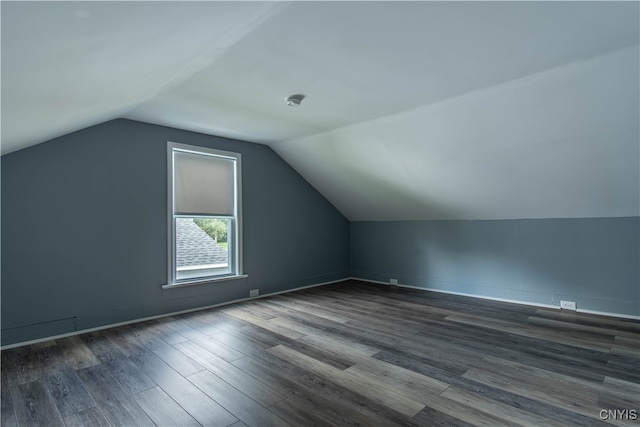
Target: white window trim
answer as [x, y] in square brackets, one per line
[204, 281]
[237, 223]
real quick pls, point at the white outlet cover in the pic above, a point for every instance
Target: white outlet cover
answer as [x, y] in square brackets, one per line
[393, 281]
[254, 292]
[568, 305]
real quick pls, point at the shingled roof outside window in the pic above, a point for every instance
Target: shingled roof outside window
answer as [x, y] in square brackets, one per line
[196, 250]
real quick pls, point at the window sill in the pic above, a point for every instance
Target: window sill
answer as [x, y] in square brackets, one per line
[204, 281]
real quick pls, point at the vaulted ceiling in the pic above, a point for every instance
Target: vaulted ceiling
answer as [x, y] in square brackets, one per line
[413, 110]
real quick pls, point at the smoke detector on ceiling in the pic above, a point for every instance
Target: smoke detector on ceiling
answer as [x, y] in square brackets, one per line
[295, 100]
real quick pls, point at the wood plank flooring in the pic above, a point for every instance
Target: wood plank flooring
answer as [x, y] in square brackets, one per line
[346, 354]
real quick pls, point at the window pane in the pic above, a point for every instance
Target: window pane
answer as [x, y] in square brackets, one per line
[202, 247]
[205, 212]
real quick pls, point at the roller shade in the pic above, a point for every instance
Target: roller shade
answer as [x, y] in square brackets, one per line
[203, 185]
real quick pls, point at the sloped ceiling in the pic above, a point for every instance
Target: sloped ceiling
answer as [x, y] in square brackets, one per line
[414, 110]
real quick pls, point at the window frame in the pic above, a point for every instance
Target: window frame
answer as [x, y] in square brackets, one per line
[235, 258]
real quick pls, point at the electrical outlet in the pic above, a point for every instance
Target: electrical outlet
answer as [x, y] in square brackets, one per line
[393, 281]
[254, 293]
[568, 305]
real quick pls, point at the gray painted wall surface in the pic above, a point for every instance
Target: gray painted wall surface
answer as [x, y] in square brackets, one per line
[593, 261]
[84, 230]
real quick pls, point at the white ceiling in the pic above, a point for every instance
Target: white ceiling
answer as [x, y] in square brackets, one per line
[414, 110]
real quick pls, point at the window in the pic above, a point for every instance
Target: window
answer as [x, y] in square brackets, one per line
[205, 215]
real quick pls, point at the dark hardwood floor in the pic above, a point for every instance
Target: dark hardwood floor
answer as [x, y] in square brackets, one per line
[346, 354]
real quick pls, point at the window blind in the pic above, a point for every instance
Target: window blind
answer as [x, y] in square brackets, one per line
[203, 185]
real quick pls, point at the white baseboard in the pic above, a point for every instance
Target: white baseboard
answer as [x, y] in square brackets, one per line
[605, 313]
[533, 304]
[160, 316]
[176, 313]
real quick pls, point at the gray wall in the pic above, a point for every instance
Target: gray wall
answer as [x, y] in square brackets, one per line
[84, 230]
[591, 261]
[84, 239]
